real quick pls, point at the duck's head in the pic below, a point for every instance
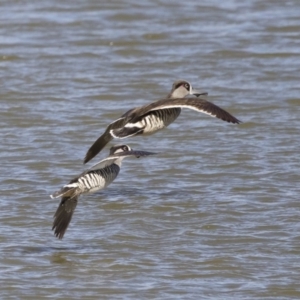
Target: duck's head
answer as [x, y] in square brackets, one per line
[182, 88]
[119, 149]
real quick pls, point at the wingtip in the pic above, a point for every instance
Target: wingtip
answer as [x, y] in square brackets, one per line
[58, 234]
[89, 155]
[232, 120]
[96, 148]
[85, 160]
[141, 155]
[153, 153]
[145, 153]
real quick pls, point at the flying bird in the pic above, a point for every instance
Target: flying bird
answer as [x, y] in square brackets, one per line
[155, 116]
[94, 179]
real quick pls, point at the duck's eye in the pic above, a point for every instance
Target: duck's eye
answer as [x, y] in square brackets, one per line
[125, 148]
[187, 86]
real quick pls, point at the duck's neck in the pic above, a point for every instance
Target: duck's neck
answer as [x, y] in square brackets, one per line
[118, 161]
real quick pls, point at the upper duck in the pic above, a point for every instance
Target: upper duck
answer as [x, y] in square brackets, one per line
[94, 179]
[152, 117]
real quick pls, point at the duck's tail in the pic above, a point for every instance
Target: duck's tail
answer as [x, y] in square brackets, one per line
[68, 190]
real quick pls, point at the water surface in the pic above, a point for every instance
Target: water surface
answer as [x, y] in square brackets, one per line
[216, 214]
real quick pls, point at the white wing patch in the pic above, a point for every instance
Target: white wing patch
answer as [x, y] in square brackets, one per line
[112, 134]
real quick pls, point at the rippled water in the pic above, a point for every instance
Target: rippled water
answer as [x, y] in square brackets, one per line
[216, 214]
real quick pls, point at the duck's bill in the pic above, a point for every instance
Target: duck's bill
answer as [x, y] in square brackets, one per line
[198, 93]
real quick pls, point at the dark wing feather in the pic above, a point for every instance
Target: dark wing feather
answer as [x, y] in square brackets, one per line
[103, 140]
[63, 215]
[137, 153]
[197, 104]
[128, 113]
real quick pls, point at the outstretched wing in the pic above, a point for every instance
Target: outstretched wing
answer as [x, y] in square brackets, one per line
[63, 215]
[112, 158]
[103, 140]
[197, 104]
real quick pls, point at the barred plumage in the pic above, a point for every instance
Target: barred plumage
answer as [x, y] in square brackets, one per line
[159, 119]
[99, 179]
[94, 179]
[158, 115]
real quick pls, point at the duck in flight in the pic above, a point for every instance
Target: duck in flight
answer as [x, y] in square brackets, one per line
[94, 179]
[155, 116]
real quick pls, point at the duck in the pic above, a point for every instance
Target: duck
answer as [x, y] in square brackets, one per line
[94, 179]
[157, 115]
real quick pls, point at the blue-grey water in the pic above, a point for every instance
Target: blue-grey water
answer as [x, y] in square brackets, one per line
[216, 214]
